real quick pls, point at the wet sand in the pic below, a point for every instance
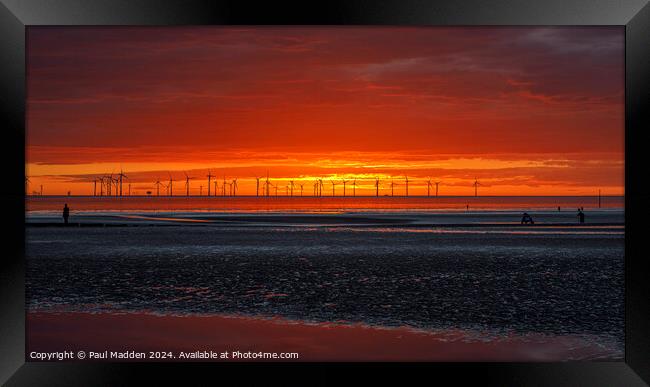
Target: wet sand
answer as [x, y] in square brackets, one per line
[324, 204]
[604, 218]
[72, 331]
[547, 282]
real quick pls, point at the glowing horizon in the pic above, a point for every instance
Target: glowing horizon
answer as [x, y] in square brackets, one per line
[526, 111]
[498, 176]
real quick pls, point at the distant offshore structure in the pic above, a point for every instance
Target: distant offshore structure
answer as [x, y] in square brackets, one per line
[111, 185]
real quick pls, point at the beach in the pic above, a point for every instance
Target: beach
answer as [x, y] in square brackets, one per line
[480, 273]
[230, 211]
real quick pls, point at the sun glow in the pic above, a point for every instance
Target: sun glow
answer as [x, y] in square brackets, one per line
[299, 174]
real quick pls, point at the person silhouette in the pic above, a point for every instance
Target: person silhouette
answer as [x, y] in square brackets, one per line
[525, 219]
[66, 214]
[581, 215]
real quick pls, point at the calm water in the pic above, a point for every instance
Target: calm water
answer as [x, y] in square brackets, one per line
[323, 204]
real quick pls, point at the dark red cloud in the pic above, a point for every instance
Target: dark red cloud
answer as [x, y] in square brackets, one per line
[442, 90]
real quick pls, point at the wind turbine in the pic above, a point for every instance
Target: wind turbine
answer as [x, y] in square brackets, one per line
[377, 186]
[101, 185]
[476, 184]
[267, 184]
[115, 189]
[118, 190]
[406, 178]
[158, 184]
[437, 183]
[257, 186]
[599, 198]
[234, 187]
[354, 187]
[429, 187]
[291, 185]
[187, 184]
[171, 184]
[223, 187]
[109, 185]
[210, 176]
[333, 187]
[215, 187]
[344, 183]
[108, 181]
[301, 187]
[120, 176]
[229, 188]
[392, 187]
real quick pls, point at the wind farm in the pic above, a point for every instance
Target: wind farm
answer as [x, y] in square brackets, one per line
[264, 192]
[111, 185]
[350, 191]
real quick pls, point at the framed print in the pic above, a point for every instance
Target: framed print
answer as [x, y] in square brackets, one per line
[387, 189]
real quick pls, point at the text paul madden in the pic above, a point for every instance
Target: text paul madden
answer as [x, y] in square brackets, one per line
[118, 355]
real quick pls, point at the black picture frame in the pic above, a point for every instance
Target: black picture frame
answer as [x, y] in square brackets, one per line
[16, 15]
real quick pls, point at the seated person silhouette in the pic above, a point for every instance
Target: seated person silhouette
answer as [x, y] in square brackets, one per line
[526, 219]
[581, 215]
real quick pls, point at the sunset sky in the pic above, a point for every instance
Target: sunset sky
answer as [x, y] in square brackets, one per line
[527, 111]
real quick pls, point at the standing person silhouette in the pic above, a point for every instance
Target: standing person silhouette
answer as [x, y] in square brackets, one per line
[581, 215]
[66, 214]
